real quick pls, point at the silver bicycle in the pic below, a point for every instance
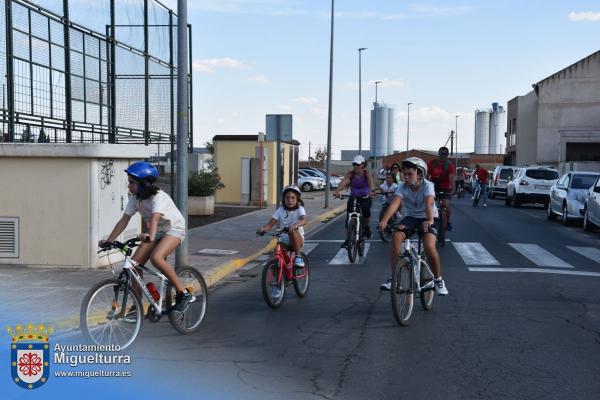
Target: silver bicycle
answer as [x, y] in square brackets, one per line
[411, 275]
[112, 311]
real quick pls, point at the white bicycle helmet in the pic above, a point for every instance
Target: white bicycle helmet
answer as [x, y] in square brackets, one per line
[416, 162]
[293, 188]
[358, 159]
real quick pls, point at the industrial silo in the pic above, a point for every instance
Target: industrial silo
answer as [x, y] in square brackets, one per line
[382, 129]
[482, 131]
[391, 136]
[497, 129]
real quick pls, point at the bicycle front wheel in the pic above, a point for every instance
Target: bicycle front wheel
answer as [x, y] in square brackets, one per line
[190, 319]
[386, 234]
[273, 284]
[111, 314]
[402, 293]
[302, 281]
[351, 238]
[427, 286]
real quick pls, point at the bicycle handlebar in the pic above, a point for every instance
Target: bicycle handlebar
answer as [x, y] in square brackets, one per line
[115, 244]
[348, 196]
[277, 233]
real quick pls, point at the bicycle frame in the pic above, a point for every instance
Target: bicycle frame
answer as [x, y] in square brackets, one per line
[415, 257]
[285, 259]
[129, 270]
[356, 214]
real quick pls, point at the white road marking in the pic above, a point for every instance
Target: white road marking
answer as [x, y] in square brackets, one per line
[341, 257]
[217, 252]
[539, 256]
[473, 253]
[308, 247]
[536, 270]
[590, 252]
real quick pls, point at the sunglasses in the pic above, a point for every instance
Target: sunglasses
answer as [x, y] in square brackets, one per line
[355, 164]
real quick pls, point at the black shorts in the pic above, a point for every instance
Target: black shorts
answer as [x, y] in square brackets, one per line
[364, 204]
[441, 194]
[413, 224]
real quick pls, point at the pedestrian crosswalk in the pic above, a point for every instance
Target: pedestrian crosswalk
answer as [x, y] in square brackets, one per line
[476, 257]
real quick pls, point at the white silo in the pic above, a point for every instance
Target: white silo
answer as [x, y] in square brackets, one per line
[482, 131]
[391, 134]
[382, 129]
[497, 129]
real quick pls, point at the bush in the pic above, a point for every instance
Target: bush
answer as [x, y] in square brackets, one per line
[204, 183]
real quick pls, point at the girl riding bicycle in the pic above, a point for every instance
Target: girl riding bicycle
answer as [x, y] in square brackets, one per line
[388, 188]
[416, 197]
[291, 215]
[163, 225]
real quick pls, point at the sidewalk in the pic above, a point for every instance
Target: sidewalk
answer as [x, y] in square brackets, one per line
[54, 295]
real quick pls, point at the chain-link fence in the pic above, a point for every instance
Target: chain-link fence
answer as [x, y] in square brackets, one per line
[81, 71]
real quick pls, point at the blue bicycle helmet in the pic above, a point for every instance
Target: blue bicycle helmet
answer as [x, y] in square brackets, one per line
[142, 171]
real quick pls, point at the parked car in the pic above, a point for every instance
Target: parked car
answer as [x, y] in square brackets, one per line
[568, 195]
[334, 180]
[499, 180]
[310, 183]
[591, 208]
[531, 184]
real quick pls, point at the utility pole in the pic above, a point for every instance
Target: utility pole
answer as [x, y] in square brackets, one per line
[328, 161]
[181, 255]
[360, 100]
[451, 143]
[407, 127]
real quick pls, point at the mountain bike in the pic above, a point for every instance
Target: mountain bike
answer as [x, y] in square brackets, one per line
[280, 271]
[112, 311]
[354, 232]
[411, 275]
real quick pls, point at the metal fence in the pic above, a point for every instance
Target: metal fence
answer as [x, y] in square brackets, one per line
[89, 71]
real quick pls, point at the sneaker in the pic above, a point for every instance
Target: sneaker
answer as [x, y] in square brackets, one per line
[276, 292]
[387, 285]
[346, 244]
[131, 316]
[440, 287]
[367, 233]
[299, 262]
[449, 227]
[473, 198]
[484, 204]
[182, 299]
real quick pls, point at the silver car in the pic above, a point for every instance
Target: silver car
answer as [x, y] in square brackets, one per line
[310, 183]
[568, 195]
[591, 209]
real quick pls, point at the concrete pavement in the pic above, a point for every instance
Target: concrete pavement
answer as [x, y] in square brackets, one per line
[54, 295]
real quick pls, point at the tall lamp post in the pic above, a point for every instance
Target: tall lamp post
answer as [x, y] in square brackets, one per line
[456, 138]
[328, 163]
[407, 127]
[360, 100]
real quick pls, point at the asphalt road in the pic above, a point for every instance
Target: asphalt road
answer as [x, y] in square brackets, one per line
[512, 326]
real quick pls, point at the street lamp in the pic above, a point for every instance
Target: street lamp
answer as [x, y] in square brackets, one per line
[407, 127]
[360, 101]
[328, 161]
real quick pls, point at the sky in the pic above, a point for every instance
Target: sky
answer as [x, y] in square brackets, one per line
[447, 58]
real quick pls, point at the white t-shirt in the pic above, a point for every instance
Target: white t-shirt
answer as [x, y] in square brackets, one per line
[289, 217]
[388, 191]
[413, 203]
[171, 217]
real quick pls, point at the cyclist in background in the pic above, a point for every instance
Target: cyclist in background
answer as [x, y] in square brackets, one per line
[481, 176]
[443, 174]
[416, 196]
[460, 179]
[388, 189]
[360, 184]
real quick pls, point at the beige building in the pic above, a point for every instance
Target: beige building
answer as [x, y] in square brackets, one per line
[233, 158]
[558, 123]
[58, 200]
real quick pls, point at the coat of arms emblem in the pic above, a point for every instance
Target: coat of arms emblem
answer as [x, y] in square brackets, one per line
[30, 355]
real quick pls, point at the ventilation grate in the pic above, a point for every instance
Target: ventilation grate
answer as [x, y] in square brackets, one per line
[9, 237]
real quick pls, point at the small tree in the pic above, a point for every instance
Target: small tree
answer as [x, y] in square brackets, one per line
[320, 155]
[204, 183]
[211, 149]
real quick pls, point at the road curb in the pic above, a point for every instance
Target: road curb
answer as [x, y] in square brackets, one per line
[221, 271]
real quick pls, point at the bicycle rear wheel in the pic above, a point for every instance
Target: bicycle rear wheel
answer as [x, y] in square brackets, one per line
[273, 285]
[107, 317]
[352, 242]
[402, 293]
[476, 197]
[427, 286]
[189, 320]
[443, 225]
[302, 281]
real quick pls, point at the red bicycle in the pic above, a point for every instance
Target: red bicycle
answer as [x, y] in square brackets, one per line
[280, 271]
